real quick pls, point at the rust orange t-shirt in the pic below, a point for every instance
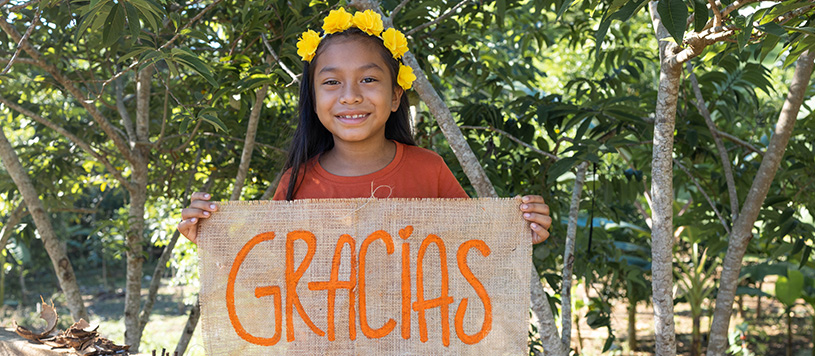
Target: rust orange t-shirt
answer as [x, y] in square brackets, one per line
[415, 172]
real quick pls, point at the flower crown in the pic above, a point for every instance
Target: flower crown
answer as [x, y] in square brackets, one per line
[369, 22]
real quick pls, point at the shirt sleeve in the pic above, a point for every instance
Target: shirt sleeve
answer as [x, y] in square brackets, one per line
[448, 185]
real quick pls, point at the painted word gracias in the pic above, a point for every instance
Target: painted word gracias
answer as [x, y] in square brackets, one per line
[355, 287]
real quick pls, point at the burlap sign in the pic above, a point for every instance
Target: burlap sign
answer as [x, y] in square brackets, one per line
[365, 277]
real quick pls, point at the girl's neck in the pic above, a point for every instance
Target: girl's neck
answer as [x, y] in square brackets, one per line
[356, 159]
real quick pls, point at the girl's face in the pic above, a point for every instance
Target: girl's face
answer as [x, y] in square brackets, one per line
[353, 91]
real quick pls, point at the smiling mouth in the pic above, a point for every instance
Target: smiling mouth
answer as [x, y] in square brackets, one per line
[352, 117]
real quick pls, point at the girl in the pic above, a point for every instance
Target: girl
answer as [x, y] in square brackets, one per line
[354, 139]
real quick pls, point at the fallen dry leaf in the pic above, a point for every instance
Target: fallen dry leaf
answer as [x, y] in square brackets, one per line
[47, 313]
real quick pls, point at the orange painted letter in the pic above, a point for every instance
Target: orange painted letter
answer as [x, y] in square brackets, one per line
[405, 234]
[363, 317]
[461, 257]
[334, 283]
[293, 277]
[259, 293]
[443, 301]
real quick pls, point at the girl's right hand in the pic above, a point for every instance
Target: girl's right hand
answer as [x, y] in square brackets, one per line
[199, 209]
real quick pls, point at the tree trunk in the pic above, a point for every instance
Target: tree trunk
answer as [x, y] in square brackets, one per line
[138, 199]
[632, 324]
[696, 332]
[789, 331]
[662, 195]
[249, 143]
[161, 265]
[56, 251]
[743, 227]
[568, 256]
[12, 221]
[189, 329]
[758, 304]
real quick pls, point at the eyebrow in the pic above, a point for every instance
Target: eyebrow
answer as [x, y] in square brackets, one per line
[363, 67]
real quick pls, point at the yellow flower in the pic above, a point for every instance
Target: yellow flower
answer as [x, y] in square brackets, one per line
[307, 45]
[337, 21]
[369, 21]
[405, 77]
[395, 41]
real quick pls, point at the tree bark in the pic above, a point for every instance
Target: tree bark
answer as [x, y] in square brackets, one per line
[249, 143]
[12, 221]
[56, 251]
[189, 329]
[568, 256]
[161, 265]
[743, 227]
[632, 323]
[662, 193]
[726, 166]
[138, 199]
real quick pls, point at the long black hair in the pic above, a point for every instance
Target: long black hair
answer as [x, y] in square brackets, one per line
[312, 138]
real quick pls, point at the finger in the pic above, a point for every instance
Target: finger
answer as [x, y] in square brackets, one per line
[539, 208]
[539, 233]
[532, 199]
[188, 228]
[200, 196]
[204, 205]
[188, 213]
[542, 220]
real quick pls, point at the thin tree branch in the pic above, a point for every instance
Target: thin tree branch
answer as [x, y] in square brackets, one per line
[100, 119]
[438, 19]
[76, 140]
[568, 256]
[270, 190]
[12, 221]
[22, 40]
[802, 189]
[18, 60]
[397, 9]
[728, 170]
[735, 6]
[513, 138]
[3, 3]
[167, 252]
[261, 144]
[192, 135]
[288, 71]
[784, 18]
[165, 45]
[740, 142]
[717, 15]
[704, 194]
[23, 6]
[122, 110]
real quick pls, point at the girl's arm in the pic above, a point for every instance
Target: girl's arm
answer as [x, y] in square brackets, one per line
[200, 208]
[536, 212]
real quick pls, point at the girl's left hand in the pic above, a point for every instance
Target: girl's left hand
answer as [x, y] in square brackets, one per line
[537, 213]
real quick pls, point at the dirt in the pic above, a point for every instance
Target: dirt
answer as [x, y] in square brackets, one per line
[766, 335]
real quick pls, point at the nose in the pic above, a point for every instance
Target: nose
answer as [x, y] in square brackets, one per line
[350, 94]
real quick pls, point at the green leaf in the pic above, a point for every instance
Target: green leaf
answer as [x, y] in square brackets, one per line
[773, 29]
[216, 122]
[133, 23]
[197, 65]
[788, 289]
[114, 25]
[560, 167]
[700, 15]
[674, 14]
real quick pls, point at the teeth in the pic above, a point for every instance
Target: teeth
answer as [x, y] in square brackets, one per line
[352, 116]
